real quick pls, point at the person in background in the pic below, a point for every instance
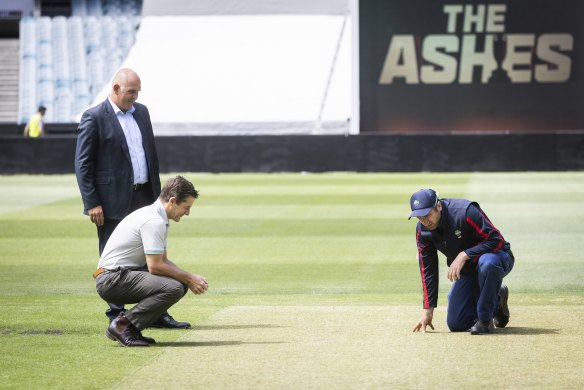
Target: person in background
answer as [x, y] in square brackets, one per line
[135, 268]
[35, 127]
[116, 165]
[478, 258]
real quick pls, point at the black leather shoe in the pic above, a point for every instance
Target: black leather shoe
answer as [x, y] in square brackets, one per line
[149, 340]
[481, 327]
[166, 321]
[501, 316]
[122, 330]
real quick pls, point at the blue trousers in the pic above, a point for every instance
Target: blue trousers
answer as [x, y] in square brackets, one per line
[476, 295]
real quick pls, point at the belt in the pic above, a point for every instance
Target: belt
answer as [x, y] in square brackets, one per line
[98, 272]
[139, 187]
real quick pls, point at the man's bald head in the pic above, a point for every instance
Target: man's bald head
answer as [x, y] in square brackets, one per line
[123, 75]
[126, 85]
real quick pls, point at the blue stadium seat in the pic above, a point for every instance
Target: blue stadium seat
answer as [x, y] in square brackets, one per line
[66, 62]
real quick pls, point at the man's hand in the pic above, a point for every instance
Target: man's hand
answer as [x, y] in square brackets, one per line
[425, 321]
[96, 215]
[456, 266]
[198, 284]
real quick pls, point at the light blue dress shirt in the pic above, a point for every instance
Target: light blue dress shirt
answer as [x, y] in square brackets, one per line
[134, 141]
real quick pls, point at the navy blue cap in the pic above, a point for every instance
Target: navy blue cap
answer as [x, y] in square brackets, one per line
[422, 202]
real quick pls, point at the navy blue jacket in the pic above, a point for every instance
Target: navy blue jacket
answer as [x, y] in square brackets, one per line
[463, 227]
[102, 160]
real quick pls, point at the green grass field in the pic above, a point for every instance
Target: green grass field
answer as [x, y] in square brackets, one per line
[313, 284]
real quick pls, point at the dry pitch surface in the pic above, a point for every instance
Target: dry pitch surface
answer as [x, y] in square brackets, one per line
[342, 347]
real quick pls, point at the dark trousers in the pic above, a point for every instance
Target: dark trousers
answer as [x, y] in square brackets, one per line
[476, 295]
[140, 199]
[152, 294]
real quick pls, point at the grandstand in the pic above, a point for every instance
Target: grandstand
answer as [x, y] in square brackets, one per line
[296, 85]
[233, 69]
[67, 61]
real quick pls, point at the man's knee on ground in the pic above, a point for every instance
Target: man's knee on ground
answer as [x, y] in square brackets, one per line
[458, 324]
[457, 327]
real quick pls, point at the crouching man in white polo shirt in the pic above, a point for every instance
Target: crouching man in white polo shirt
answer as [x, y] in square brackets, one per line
[134, 266]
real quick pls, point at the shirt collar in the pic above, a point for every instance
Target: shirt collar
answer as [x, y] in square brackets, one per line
[117, 109]
[443, 225]
[161, 211]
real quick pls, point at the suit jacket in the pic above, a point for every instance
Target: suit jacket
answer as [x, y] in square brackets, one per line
[102, 160]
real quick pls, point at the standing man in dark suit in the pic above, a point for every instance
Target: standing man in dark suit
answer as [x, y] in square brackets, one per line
[117, 166]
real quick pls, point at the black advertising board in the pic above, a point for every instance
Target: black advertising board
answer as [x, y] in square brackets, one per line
[444, 66]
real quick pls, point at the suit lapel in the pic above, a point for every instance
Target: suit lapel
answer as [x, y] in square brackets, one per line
[117, 129]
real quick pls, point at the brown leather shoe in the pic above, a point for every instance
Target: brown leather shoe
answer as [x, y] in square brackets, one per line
[122, 330]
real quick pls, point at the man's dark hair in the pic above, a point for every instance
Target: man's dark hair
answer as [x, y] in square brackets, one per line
[179, 188]
[42, 109]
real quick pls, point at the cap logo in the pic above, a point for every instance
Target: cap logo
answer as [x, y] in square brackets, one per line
[416, 202]
[458, 233]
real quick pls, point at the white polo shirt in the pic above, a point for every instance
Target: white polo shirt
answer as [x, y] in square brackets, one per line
[143, 232]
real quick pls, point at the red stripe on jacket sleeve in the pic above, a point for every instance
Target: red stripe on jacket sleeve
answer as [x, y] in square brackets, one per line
[484, 235]
[501, 239]
[478, 229]
[422, 272]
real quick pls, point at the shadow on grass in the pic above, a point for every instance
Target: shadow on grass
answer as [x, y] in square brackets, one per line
[522, 330]
[228, 327]
[515, 330]
[211, 343]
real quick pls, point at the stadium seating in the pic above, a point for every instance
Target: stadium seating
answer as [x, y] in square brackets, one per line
[28, 69]
[250, 72]
[65, 62]
[98, 8]
[9, 68]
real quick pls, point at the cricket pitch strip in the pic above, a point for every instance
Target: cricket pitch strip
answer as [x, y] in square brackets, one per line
[348, 347]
